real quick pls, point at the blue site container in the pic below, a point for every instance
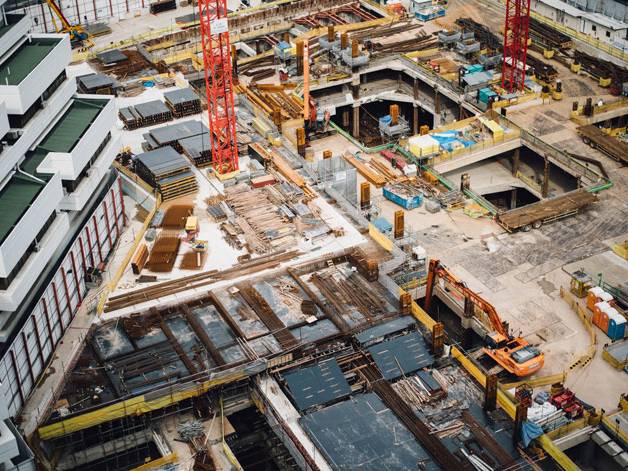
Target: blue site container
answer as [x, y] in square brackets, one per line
[616, 327]
[405, 202]
[382, 225]
[430, 13]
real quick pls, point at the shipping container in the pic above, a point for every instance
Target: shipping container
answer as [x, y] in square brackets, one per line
[405, 201]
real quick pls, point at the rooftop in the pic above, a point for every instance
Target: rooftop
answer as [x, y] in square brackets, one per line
[15, 198]
[25, 59]
[180, 95]
[12, 19]
[66, 133]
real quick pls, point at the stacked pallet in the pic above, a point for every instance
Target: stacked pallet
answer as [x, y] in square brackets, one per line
[183, 102]
[549, 37]
[172, 135]
[164, 252]
[145, 114]
[167, 171]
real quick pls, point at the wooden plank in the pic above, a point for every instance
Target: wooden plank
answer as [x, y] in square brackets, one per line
[373, 177]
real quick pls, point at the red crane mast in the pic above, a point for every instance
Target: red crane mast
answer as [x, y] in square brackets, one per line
[515, 44]
[219, 84]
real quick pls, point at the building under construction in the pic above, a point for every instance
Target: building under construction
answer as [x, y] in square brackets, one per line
[315, 235]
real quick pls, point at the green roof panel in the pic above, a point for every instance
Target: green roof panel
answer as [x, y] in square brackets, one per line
[15, 198]
[25, 59]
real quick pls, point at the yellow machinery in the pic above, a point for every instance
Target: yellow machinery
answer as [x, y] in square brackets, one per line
[513, 354]
[79, 37]
[580, 283]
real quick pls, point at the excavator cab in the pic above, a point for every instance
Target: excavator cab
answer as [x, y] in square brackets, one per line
[496, 340]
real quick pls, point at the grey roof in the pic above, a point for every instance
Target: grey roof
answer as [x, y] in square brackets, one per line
[111, 57]
[181, 95]
[163, 160]
[384, 329]
[362, 433]
[401, 355]
[178, 131]
[317, 384]
[92, 81]
[152, 108]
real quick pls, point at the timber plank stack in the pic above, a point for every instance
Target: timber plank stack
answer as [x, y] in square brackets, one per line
[145, 114]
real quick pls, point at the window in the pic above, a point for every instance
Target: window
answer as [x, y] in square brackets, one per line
[608, 34]
[593, 28]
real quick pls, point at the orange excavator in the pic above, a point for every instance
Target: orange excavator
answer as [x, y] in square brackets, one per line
[513, 354]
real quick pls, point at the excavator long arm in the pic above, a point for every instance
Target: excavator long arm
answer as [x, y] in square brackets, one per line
[437, 270]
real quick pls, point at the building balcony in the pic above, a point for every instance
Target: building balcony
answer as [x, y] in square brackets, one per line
[4, 122]
[77, 135]
[10, 155]
[27, 204]
[16, 27]
[77, 200]
[26, 277]
[31, 68]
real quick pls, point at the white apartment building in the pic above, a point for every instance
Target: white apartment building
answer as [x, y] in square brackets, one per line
[61, 206]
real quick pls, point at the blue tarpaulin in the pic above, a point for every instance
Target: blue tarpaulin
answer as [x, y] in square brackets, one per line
[530, 431]
[450, 140]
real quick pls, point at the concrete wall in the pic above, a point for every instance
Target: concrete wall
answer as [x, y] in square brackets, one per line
[31, 347]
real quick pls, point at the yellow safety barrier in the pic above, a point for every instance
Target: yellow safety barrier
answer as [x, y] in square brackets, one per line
[135, 406]
[561, 458]
[601, 45]
[502, 397]
[538, 382]
[380, 238]
[227, 450]
[164, 460]
[612, 425]
[588, 355]
[569, 427]
[127, 258]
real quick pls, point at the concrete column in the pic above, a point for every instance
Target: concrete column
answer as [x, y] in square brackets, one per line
[437, 103]
[515, 161]
[356, 122]
[415, 89]
[415, 120]
[399, 81]
[546, 176]
[513, 198]
[345, 119]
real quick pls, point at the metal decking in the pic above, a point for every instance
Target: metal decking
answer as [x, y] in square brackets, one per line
[318, 384]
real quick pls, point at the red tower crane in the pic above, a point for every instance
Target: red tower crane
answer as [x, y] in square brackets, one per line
[219, 84]
[515, 44]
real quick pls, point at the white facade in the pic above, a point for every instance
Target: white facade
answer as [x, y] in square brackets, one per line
[596, 25]
[61, 207]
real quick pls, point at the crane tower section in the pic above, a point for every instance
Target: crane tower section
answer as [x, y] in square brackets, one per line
[515, 44]
[219, 84]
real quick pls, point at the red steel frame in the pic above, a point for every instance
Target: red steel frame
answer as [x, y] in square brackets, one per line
[219, 84]
[515, 44]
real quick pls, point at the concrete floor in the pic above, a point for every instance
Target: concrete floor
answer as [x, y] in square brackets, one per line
[523, 276]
